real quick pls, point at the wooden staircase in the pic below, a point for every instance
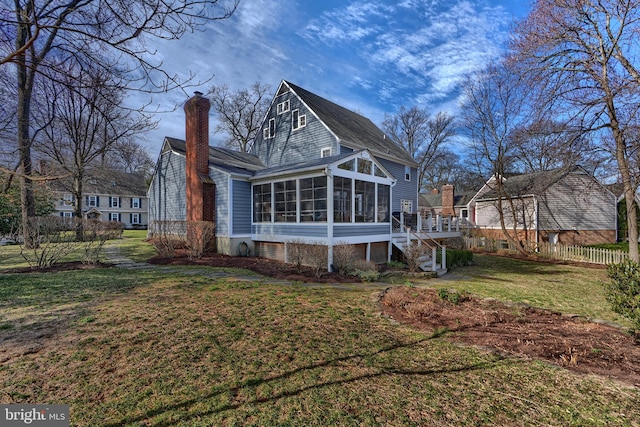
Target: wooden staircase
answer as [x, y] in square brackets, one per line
[434, 255]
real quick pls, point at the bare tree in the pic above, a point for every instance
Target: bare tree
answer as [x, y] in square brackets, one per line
[38, 36]
[84, 121]
[128, 155]
[422, 135]
[493, 109]
[240, 113]
[584, 56]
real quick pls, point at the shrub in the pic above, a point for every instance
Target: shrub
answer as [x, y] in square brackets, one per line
[366, 270]
[199, 236]
[316, 256]
[458, 258]
[623, 292]
[415, 253]
[167, 236]
[54, 239]
[344, 257]
[295, 253]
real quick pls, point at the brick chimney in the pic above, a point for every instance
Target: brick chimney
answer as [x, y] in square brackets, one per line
[200, 187]
[435, 191]
[447, 200]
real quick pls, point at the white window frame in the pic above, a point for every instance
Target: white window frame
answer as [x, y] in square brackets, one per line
[92, 201]
[298, 120]
[406, 206]
[407, 173]
[136, 218]
[67, 214]
[113, 216]
[114, 202]
[136, 202]
[67, 199]
[325, 152]
[283, 107]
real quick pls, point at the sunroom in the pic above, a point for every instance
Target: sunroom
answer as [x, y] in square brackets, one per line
[343, 199]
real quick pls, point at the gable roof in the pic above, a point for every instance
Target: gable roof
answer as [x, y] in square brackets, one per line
[106, 181]
[231, 161]
[352, 129]
[435, 200]
[534, 183]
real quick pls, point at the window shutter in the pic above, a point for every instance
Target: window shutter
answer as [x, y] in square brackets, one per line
[119, 217]
[131, 202]
[98, 201]
[86, 200]
[62, 214]
[110, 202]
[119, 202]
[130, 218]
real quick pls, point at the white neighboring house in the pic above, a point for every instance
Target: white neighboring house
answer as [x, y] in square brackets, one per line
[108, 196]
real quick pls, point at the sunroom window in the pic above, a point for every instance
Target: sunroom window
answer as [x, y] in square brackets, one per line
[365, 197]
[313, 199]
[285, 195]
[262, 203]
[341, 199]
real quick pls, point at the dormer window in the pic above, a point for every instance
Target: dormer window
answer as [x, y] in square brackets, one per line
[283, 107]
[325, 152]
[298, 120]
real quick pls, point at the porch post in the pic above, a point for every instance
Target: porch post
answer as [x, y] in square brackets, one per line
[444, 257]
[401, 221]
[434, 260]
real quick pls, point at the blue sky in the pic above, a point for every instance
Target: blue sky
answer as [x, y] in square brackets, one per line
[369, 56]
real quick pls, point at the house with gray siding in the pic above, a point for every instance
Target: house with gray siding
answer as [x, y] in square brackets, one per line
[562, 206]
[317, 174]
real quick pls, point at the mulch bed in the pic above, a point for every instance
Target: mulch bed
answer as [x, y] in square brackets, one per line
[263, 266]
[569, 341]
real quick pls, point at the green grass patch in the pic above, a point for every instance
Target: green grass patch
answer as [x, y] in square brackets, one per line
[131, 348]
[134, 246]
[620, 246]
[563, 288]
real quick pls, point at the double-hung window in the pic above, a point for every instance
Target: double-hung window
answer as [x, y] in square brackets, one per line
[136, 203]
[114, 202]
[298, 120]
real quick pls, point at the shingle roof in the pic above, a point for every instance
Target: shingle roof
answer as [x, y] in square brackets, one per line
[532, 183]
[353, 130]
[106, 181]
[301, 166]
[435, 200]
[231, 161]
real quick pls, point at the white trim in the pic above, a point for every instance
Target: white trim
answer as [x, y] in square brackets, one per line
[323, 150]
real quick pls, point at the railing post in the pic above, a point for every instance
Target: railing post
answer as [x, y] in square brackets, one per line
[439, 223]
[401, 221]
[430, 222]
[419, 221]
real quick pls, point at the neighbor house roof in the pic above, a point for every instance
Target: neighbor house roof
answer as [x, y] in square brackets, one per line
[231, 161]
[352, 129]
[534, 183]
[106, 181]
[435, 200]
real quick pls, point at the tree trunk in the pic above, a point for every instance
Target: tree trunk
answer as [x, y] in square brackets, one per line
[77, 207]
[25, 86]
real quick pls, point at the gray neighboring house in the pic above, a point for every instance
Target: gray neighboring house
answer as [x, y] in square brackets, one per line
[108, 196]
[317, 173]
[561, 206]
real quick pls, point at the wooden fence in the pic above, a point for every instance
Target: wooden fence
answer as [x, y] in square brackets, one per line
[560, 252]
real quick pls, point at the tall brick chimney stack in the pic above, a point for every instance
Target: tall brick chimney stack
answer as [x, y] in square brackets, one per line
[197, 147]
[447, 200]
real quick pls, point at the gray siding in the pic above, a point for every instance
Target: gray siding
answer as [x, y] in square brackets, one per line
[167, 193]
[221, 180]
[292, 146]
[577, 202]
[352, 230]
[407, 190]
[488, 214]
[288, 230]
[241, 207]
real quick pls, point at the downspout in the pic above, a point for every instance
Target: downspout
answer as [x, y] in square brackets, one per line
[535, 205]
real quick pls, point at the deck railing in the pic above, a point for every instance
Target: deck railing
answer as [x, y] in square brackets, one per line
[419, 222]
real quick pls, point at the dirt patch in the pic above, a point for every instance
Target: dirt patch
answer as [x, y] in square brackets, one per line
[263, 266]
[571, 342]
